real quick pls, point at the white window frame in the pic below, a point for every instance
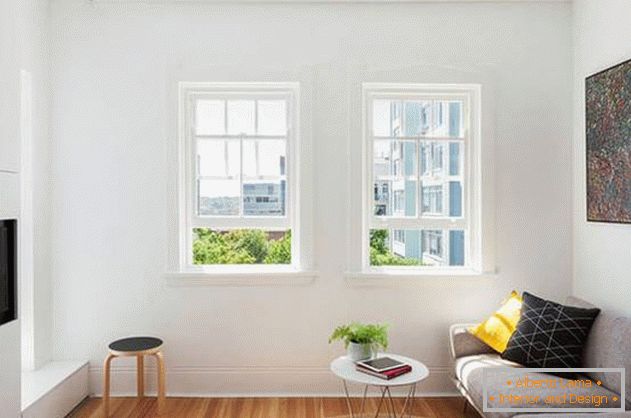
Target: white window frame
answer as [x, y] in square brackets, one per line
[189, 92]
[470, 222]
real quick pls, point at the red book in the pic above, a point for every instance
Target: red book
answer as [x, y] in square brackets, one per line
[388, 374]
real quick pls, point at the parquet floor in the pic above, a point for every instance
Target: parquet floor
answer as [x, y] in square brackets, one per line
[258, 408]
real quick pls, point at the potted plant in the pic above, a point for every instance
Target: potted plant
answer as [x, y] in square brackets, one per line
[362, 341]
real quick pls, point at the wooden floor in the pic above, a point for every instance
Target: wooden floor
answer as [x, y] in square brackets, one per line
[259, 408]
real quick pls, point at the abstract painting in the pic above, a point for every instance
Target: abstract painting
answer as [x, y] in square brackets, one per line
[608, 144]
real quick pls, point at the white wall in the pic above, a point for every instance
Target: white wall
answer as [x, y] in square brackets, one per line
[602, 38]
[9, 332]
[115, 68]
[9, 190]
[23, 28]
[32, 29]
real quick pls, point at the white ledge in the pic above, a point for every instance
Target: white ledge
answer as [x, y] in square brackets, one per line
[37, 384]
[381, 276]
[241, 278]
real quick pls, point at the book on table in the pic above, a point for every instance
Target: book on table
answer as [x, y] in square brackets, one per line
[383, 367]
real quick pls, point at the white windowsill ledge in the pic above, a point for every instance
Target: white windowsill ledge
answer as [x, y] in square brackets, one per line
[241, 278]
[381, 276]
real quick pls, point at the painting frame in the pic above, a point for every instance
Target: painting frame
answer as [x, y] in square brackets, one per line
[608, 145]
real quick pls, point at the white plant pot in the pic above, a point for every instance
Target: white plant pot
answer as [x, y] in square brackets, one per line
[357, 352]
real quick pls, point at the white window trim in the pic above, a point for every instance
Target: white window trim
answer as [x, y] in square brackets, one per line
[472, 193]
[187, 273]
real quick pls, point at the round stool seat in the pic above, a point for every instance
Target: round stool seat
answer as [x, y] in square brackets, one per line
[138, 347]
[135, 345]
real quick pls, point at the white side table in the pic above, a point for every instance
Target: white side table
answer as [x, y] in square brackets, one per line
[344, 368]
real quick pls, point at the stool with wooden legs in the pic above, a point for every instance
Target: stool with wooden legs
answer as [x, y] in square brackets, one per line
[138, 347]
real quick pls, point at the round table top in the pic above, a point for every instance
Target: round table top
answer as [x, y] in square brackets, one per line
[344, 368]
[132, 344]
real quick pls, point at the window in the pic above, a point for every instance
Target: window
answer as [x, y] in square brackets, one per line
[240, 145]
[421, 151]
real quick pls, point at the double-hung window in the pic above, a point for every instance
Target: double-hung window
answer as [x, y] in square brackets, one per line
[421, 181]
[239, 175]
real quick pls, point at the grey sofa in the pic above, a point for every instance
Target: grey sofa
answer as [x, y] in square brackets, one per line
[608, 345]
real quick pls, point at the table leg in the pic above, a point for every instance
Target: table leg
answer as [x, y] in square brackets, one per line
[361, 410]
[407, 400]
[391, 402]
[412, 400]
[383, 395]
[348, 400]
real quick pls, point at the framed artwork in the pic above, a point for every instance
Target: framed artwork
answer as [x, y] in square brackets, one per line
[608, 144]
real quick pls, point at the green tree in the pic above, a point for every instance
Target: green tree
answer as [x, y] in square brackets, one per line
[280, 250]
[211, 247]
[240, 246]
[380, 254]
[249, 241]
[252, 246]
[378, 239]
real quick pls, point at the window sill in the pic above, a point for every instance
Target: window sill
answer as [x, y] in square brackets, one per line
[241, 278]
[383, 276]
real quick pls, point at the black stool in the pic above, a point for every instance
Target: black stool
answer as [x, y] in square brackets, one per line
[138, 347]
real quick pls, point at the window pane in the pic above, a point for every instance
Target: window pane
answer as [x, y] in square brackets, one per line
[455, 158]
[394, 158]
[455, 199]
[440, 194]
[218, 197]
[218, 158]
[432, 200]
[441, 198]
[416, 247]
[437, 118]
[241, 246]
[432, 158]
[386, 118]
[264, 158]
[272, 117]
[394, 198]
[241, 117]
[395, 183]
[264, 198]
[210, 117]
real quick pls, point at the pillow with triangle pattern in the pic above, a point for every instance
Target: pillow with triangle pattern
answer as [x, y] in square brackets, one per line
[549, 334]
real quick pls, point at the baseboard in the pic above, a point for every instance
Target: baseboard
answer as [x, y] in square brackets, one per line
[251, 382]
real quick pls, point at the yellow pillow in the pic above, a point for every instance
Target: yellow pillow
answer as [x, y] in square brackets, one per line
[498, 328]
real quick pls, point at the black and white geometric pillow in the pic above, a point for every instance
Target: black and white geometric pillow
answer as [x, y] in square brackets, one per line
[549, 334]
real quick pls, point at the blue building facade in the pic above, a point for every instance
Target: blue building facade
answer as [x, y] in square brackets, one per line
[439, 165]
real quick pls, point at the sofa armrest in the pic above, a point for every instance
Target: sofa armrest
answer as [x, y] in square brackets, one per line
[462, 343]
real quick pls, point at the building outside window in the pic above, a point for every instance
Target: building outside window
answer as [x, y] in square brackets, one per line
[419, 145]
[239, 150]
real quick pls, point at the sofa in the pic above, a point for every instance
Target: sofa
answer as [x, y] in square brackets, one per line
[608, 345]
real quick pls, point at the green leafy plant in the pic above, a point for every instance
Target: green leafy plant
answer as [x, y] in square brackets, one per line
[240, 246]
[376, 334]
[279, 250]
[380, 255]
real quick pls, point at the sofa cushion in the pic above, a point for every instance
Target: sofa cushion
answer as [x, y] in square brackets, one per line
[608, 345]
[463, 343]
[549, 334]
[469, 371]
[497, 329]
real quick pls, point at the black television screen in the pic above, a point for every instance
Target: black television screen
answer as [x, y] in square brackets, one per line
[8, 271]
